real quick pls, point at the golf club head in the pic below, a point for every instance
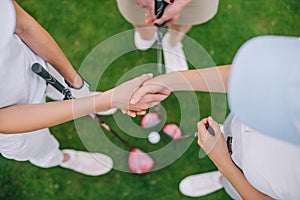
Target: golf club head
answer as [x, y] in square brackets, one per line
[151, 119]
[173, 131]
[139, 162]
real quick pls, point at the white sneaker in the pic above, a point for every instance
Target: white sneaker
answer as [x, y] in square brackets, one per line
[92, 164]
[201, 184]
[173, 55]
[142, 44]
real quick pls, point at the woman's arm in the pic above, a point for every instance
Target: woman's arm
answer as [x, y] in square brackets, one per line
[41, 42]
[216, 149]
[30, 117]
[213, 79]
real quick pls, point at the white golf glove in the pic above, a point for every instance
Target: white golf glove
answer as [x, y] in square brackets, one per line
[84, 91]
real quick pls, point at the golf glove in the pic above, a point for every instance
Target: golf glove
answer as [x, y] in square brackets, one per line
[83, 91]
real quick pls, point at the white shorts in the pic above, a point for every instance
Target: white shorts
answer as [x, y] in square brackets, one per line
[38, 147]
[196, 12]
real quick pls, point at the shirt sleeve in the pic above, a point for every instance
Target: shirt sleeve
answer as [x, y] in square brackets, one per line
[7, 21]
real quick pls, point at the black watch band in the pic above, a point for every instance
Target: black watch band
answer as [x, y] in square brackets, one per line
[70, 86]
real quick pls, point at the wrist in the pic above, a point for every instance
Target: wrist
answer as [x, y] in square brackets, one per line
[103, 101]
[76, 83]
[225, 166]
[174, 81]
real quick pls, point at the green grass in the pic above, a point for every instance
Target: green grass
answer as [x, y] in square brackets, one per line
[78, 26]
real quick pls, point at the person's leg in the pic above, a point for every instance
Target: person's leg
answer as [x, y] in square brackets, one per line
[42, 149]
[201, 184]
[46, 153]
[177, 33]
[206, 183]
[195, 13]
[173, 49]
[38, 147]
[146, 31]
[144, 36]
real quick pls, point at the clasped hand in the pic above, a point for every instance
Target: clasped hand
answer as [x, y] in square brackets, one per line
[171, 13]
[135, 96]
[214, 146]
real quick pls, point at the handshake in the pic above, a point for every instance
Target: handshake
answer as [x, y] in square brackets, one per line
[135, 96]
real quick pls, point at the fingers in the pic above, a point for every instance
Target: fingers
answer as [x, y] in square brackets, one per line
[132, 113]
[212, 123]
[145, 77]
[149, 5]
[145, 3]
[139, 93]
[150, 17]
[202, 132]
[170, 22]
[121, 95]
[142, 112]
[151, 8]
[138, 81]
[151, 98]
[160, 20]
[148, 101]
[169, 1]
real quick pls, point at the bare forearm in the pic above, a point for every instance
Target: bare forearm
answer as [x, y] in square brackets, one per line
[213, 79]
[240, 183]
[30, 117]
[41, 42]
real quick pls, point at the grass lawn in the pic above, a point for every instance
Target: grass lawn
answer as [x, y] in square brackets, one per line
[78, 27]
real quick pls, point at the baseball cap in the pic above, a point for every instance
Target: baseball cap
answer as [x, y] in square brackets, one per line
[7, 21]
[264, 86]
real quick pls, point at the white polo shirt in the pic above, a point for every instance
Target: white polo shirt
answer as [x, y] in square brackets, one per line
[19, 85]
[272, 166]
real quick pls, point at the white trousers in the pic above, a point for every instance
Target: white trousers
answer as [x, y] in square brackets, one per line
[38, 147]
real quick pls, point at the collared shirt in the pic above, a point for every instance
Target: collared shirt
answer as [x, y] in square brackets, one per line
[272, 166]
[19, 85]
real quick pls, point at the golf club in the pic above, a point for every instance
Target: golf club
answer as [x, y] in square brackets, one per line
[160, 6]
[152, 118]
[173, 131]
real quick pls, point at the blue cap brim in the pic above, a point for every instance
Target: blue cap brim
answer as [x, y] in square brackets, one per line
[263, 91]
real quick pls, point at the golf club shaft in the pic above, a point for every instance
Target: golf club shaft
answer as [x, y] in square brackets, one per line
[39, 70]
[159, 50]
[160, 6]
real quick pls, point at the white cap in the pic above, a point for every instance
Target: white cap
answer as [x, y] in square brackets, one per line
[264, 86]
[7, 21]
